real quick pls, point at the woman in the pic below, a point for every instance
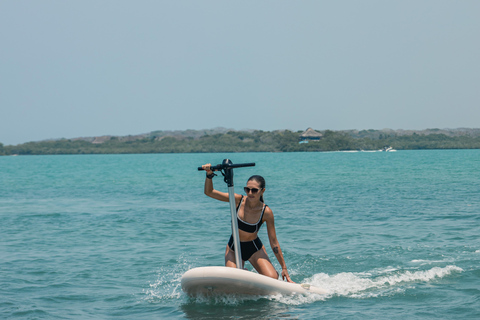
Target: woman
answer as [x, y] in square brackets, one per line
[251, 214]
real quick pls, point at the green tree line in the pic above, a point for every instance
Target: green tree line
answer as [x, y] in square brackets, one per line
[246, 141]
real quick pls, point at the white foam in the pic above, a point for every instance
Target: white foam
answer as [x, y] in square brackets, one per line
[427, 262]
[167, 286]
[298, 299]
[168, 283]
[361, 284]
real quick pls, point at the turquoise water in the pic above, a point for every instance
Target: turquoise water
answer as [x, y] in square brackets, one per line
[390, 235]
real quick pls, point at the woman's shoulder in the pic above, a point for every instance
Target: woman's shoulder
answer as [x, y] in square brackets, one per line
[268, 213]
[238, 198]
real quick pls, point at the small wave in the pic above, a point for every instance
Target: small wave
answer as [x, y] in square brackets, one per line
[166, 287]
[361, 285]
[168, 284]
[429, 262]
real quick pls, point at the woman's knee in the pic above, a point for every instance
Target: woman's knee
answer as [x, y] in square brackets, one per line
[272, 273]
[265, 267]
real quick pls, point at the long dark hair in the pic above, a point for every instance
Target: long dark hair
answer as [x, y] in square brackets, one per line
[260, 180]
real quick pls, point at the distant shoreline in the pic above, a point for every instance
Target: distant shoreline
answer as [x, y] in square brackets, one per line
[228, 140]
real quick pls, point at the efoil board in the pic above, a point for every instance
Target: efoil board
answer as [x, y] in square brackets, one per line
[207, 281]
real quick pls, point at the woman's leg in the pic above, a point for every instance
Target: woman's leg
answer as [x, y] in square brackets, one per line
[262, 264]
[230, 258]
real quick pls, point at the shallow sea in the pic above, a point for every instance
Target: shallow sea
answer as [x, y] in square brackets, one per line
[391, 235]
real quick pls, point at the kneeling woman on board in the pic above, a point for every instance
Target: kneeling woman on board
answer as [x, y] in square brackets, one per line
[251, 214]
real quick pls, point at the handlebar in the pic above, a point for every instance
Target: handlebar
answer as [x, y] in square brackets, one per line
[228, 165]
[226, 168]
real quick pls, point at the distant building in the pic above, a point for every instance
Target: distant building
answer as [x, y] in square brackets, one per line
[310, 135]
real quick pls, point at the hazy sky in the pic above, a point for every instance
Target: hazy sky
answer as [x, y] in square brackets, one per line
[89, 68]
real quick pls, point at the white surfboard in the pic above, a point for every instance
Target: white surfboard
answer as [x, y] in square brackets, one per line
[223, 280]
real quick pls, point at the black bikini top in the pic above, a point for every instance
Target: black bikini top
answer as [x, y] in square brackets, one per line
[249, 227]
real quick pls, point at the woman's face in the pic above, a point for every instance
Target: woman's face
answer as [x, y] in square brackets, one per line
[252, 190]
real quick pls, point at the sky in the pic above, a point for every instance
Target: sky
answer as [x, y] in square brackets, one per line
[89, 68]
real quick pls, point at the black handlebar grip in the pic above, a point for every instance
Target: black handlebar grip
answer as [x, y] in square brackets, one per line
[228, 166]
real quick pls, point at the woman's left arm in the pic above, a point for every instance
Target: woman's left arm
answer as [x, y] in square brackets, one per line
[272, 236]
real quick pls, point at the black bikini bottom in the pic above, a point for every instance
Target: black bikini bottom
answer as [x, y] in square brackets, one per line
[248, 247]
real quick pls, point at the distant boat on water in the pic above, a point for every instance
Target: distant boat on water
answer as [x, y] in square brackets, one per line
[388, 149]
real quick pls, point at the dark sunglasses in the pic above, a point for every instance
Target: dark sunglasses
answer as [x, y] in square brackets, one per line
[253, 190]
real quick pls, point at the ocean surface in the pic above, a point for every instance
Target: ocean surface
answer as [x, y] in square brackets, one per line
[391, 235]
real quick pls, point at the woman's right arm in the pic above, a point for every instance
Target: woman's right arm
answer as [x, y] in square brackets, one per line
[211, 192]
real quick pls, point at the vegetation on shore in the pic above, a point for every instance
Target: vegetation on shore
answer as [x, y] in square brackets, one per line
[223, 140]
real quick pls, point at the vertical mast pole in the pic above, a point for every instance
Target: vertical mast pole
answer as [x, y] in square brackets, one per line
[233, 211]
